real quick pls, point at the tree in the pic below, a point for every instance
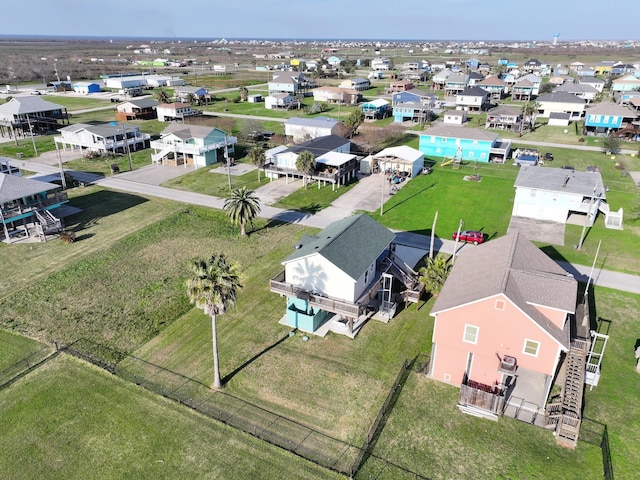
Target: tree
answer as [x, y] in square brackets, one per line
[244, 94]
[242, 207]
[191, 99]
[546, 88]
[305, 163]
[611, 145]
[161, 96]
[353, 121]
[214, 287]
[256, 157]
[435, 273]
[528, 115]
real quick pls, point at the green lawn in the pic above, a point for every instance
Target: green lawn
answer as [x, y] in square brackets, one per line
[73, 421]
[312, 199]
[15, 347]
[215, 183]
[77, 103]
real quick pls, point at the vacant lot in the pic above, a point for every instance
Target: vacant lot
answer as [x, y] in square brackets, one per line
[15, 347]
[73, 421]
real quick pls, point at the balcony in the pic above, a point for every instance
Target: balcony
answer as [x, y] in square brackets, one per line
[11, 210]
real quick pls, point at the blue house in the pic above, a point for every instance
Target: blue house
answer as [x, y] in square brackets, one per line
[471, 144]
[606, 117]
[376, 109]
[413, 105]
[27, 207]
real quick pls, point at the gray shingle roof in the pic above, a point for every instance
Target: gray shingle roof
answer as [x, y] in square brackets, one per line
[514, 267]
[454, 131]
[30, 104]
[324, 122]
[351, 244]
[13, 187]
[143, 102]
[561, 97]
[474, 91]
[608, 108]
[561, 180]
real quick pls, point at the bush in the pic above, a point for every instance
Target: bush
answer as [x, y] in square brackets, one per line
[68, 237]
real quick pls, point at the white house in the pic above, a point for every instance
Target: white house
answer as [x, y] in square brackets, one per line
[472, 99]
[303, 129]
[400, 159]
[454, 117]
[108, 137]
[380, 64]
[199, 145]
[356, 83]
[333, 280]
[174, 111]
[278, 100]
[561, 102]
[556, 194]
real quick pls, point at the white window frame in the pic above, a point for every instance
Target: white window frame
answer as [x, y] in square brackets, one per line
[464, 335]
[524, 347]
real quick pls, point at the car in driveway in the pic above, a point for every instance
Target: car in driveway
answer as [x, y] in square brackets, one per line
[471, 236]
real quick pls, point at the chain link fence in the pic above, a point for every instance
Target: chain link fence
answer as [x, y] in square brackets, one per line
[25, 365]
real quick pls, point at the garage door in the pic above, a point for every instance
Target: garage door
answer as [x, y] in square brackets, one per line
[554, 214]
[527, 210]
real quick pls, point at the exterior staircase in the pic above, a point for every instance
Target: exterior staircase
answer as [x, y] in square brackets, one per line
[403, 272]
[48, 222]
[569, 415]
[157, 157]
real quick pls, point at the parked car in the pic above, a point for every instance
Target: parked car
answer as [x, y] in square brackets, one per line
[35, 92]
[471, 236]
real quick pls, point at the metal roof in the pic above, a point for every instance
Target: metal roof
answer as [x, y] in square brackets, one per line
[13, 187]
[30, 104]
[561, 180]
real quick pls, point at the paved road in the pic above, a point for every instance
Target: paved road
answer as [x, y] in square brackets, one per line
[355, 199]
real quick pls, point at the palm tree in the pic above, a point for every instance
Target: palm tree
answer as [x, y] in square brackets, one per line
[191, 99]
[244, 94]
[528, 110]
[257, 157]
[161, 96]
[214, 287]
[242, 207]
[435, 274]
[305, 163]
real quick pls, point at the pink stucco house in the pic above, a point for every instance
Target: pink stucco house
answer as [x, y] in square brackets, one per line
[502, 329]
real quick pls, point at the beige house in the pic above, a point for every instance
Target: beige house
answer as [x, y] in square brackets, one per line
[561, 102]
[348, 96]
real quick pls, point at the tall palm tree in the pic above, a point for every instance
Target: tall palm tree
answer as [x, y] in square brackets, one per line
[242, 207]
[191, 99]
[257, 157]
[214, 287]
[305, 163]
[435, 274]
[528, 111]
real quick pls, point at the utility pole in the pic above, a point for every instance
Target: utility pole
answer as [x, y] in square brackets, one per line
[226, 156]
[64, 180]
[433, 235]
[33, 140]
[455, 247]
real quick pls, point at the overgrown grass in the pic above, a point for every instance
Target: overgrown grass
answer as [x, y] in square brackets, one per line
[102, 165]
[70, 420]
[72, 102]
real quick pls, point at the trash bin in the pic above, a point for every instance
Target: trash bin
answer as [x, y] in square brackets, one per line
[115, 168]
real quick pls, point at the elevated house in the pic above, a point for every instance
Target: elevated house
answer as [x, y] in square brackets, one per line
[625, 83]
[290, 83]
[376, 109]
[416, 96]
[413, 105]
[29, 208]
[561, 102]
[507, 339]
[276, 101]
[607, 118]
[24, 115]
[338, 279]
[474, 78]
[184, 92]
[472, 99]
[168, 112]
[6, 167]
[533, 65]
[199, 145]
[495, 87]
[334, 162]
[596, 83]
[457, 143]
[301, 129]
[439, 79]
[504, 117]
[397, 86]
[455, 84]
[358, 83]
[526, 88]
[336, 95]
[137, 109]
[562, 196]
[622, 69]
[115, 137]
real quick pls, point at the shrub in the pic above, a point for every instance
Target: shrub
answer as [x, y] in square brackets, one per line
[68, 237]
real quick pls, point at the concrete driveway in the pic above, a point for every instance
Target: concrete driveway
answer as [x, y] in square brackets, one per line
[538, 230]
[272, 191]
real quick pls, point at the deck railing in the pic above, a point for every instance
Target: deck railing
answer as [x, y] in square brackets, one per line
[481, 396]
[54, 198]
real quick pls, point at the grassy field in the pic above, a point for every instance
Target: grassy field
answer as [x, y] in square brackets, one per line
[73, 421]
[215, 183]
[15, 348]
[73, 102]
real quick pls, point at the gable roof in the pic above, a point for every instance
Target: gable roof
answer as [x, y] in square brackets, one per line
[505, 110]
[561, 180]
[561, 97]
[186, 131]
[174, 105]
[142, 102]
[454, 131]
[102, 129]
[30, 104]
[352, 244]
[378, 102]
[609, 108]
[474, 91]
[492, 80]
[574, 88]
[514, 267]
[13, 187]
[402, 152]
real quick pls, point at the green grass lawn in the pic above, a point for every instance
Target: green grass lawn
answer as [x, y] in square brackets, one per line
[71, 102]
[102, 165]
[15, 347]
[312, 199]
[70, 420]
[215, 183]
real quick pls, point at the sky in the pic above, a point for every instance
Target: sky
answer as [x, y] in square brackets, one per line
[331, 19]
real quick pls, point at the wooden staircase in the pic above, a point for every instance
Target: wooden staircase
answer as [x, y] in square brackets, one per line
[569, 415]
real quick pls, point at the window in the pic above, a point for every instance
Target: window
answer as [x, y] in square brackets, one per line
[532, 193]
[531, 347]
[500, 304]
[470, 334]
